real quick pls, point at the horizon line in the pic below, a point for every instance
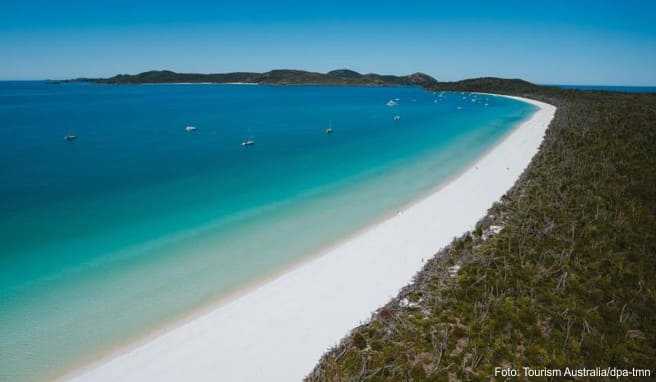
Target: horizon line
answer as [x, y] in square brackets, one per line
[463, 79]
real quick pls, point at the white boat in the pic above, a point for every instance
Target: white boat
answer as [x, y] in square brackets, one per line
[70, 137]
[248, 142]
[391, 103]
[190, 129]
[329, 130]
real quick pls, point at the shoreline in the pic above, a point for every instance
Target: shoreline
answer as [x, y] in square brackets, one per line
[216, 302]
[196, 83]
[301, 310]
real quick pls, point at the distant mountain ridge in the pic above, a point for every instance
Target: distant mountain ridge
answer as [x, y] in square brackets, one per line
[490, 84]
[278, 76]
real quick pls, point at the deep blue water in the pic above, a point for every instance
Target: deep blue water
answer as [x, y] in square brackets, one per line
[138, 222]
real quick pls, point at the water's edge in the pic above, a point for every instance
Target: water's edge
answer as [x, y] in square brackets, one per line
[224, 299]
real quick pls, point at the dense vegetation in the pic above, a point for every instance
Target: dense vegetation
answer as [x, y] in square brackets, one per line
[279, 77]
[560, 273]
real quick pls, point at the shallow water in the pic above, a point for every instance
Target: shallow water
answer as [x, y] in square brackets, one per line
[138, 222]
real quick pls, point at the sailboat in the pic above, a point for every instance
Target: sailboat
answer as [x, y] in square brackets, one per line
[329, 130]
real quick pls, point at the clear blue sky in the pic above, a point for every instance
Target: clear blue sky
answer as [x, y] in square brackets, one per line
[577, 42]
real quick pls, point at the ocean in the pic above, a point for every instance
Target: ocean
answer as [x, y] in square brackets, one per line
[137, 222]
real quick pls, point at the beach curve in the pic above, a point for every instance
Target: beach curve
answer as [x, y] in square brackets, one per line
[300, 314]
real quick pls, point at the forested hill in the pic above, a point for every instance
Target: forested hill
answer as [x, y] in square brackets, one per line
[280, 77]
[559, 273]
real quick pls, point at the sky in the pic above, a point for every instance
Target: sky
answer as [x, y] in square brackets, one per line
[548, 42]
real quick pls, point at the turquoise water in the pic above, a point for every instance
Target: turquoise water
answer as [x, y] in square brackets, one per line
[137, 222]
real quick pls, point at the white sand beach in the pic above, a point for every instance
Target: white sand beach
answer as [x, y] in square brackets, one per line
[279, 330]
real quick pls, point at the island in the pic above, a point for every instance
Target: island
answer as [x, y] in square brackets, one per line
[276, 77]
